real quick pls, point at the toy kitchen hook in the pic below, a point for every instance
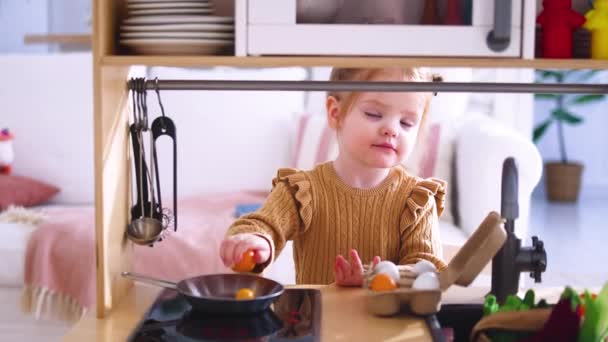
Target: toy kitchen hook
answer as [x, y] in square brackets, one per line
[164, 126]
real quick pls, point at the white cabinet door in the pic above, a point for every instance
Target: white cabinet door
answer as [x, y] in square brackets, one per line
[272, 29]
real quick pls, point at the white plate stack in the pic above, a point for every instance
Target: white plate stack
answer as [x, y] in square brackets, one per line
[176, 27]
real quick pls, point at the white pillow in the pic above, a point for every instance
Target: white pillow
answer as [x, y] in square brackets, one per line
[483, 145]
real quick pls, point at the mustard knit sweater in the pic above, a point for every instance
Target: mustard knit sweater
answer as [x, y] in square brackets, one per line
[397, 220]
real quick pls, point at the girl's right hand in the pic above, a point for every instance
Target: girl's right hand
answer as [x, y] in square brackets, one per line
[233, 248]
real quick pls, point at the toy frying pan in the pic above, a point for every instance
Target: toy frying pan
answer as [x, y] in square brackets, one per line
[214, 293]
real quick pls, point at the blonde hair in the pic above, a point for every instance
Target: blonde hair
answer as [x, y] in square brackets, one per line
[347, 99]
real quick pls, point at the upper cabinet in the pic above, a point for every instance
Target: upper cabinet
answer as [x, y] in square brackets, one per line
[349, 33]
[443, 28]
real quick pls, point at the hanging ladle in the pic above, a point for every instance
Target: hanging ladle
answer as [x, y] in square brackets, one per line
[144, 230]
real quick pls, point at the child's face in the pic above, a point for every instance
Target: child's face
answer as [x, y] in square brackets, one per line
[380, 129]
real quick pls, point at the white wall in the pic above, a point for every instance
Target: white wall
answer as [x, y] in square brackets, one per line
[47, 103]
[69, 16]
[21, 17]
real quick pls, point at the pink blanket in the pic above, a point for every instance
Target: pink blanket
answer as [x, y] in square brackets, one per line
[60, 258]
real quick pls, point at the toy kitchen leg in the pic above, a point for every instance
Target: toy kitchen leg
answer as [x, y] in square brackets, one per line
[512, 259]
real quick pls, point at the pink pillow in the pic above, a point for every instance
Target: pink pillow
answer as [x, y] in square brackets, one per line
[24, 191]
[426, 164]
[316, 143]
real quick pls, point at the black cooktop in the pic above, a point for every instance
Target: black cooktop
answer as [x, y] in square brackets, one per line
[294, 316]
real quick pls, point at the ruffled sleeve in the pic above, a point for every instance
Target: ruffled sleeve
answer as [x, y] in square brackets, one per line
[419, 228]
[299, 186]
[286, 212]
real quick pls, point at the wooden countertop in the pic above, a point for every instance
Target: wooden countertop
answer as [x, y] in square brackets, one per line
[343, 317]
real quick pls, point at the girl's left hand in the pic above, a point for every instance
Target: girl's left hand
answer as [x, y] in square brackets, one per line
[350, 274]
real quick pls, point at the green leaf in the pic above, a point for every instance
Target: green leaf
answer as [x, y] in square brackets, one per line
[583, 99]
[602, 302]
[546, 74]
[595, 323]
[546, 96]
[512, 303]
[490, 305]
[563, 115]
[539, 130]
[529, 298]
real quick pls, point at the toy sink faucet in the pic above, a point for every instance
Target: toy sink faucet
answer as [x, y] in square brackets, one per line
[513, 259]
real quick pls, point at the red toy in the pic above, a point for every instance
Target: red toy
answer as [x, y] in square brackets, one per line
[6, 151]
[558, 20]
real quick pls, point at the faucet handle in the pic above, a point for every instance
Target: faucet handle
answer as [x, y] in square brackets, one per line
[538, 245]
[539, 259]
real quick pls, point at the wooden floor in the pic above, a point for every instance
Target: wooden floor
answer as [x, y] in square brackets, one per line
[575, 237]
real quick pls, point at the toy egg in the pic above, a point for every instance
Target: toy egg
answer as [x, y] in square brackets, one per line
[423, 266]
[388, 268]
[426, 281]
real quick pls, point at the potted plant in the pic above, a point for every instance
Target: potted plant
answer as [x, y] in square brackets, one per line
[563, 177]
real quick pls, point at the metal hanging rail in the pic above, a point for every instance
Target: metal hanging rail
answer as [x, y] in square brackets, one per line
[450, 87]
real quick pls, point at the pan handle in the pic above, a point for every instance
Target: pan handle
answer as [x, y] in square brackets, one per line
[149, 280]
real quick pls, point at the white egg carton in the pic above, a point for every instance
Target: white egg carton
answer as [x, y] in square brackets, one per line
[464, 267]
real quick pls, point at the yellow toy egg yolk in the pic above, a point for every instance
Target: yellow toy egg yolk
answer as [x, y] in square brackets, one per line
[247, 264]
[382, 282]
[244, 293]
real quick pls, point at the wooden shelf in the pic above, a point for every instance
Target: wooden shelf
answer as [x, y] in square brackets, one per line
[80, 39]
[279, 61]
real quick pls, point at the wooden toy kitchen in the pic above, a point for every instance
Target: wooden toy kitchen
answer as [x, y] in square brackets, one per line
[275, 33]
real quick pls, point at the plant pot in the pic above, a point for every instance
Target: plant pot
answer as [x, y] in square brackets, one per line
[563, 181]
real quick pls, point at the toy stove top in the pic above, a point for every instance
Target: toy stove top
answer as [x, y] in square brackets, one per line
[295, 315]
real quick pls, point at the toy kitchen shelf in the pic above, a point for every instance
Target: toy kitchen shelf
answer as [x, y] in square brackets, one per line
[112, 69]
[350, 61]
[255, 27]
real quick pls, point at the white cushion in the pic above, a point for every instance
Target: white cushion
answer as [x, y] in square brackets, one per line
[483, 145]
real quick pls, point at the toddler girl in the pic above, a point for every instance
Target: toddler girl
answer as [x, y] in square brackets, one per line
[363, 204]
